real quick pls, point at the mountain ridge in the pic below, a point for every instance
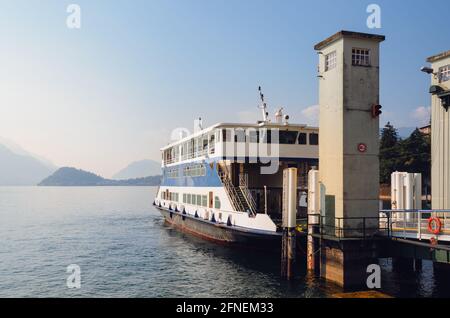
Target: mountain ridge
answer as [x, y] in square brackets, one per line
[69, 176]
[21, 169]
[139, 169]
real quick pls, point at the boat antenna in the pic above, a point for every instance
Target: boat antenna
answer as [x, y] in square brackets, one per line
[263, 106]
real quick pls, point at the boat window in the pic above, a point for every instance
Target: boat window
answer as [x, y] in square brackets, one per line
[302, 139]
[313, 139]
[216, 202]
[199, 199]
[195, 170]
[266, 135]
[212, 144]
[184, 197]
[193, 199]
[199, 146]
[204, 200]
[253, 136]
[205, 143]
[288, 137]
[226, 135]
[239, 135]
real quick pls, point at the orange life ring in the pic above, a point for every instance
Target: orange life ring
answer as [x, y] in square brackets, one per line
[434, 225]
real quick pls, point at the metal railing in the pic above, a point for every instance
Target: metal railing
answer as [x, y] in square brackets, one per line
[391, 223]
[415, 223]
[354, 227]
[233, 195]
[243, 186]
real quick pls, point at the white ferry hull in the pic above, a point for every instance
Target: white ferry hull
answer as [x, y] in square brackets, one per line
[219, 232]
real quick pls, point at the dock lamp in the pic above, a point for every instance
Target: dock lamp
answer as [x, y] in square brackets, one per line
[427, 70]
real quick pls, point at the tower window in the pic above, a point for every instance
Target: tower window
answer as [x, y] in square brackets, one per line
[330, 61]
[444, 73]
[360, 57]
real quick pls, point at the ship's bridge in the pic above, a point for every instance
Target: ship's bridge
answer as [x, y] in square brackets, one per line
[251, 143]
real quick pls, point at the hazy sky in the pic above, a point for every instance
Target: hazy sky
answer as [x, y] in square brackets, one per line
[109, 93]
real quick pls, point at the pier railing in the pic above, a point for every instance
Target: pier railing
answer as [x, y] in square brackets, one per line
[416, 223]
[408, 224]
[354, 227]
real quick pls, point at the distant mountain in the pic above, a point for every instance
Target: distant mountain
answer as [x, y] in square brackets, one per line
[75, 177]
[18, 150]
[139, 169]
[71, 177]
[18, 168]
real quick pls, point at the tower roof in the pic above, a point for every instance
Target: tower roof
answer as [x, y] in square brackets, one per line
[438, 57]
[348, 34]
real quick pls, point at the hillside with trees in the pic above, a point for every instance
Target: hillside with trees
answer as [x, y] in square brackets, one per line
[412, 154]
[67, 177]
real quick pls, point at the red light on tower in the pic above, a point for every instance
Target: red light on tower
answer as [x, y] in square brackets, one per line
[376, 111]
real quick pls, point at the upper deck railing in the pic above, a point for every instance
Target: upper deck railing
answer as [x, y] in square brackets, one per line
[241, 141]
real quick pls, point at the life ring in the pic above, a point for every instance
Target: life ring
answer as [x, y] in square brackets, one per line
[434, 225]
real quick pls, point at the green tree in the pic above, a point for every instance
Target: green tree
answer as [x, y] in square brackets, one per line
[389, 152]
[389, 137]
[415, 154]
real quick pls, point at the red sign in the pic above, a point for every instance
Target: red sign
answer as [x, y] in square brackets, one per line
[362, 147]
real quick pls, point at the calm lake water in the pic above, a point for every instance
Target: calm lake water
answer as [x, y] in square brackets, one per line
[124, 250]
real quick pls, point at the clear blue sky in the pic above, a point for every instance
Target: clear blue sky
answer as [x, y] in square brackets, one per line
[110, 93]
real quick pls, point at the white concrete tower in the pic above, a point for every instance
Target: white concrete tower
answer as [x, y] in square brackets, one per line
[440, 130]
[349, 130]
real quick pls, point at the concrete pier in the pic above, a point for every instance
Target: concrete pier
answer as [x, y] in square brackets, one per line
[345, 263]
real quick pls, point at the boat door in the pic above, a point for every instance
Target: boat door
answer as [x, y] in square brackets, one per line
[211, 199]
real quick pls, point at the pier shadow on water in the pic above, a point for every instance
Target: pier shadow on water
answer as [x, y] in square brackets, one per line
[261, 271]
[256, 270]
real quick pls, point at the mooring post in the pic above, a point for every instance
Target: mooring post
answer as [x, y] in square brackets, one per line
[289, 222]
[313, 261]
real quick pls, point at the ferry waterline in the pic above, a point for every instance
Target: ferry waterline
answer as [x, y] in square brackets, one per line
[224, 183]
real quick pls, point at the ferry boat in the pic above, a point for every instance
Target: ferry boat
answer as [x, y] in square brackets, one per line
[224, 183]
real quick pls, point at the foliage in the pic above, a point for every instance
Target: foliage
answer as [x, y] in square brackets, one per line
[75, 177]
[412, 154]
